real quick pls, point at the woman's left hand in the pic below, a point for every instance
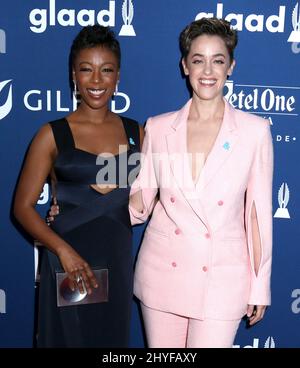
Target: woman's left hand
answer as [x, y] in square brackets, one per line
[255, 313]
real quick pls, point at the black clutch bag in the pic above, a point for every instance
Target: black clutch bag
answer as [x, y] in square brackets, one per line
[67, 297]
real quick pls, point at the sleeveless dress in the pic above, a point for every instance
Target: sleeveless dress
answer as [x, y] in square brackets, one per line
[98, 227]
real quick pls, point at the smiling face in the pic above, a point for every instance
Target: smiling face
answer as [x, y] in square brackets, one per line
[96, 73]
[207, 65]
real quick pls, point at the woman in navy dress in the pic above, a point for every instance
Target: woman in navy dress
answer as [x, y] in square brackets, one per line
[82, 153]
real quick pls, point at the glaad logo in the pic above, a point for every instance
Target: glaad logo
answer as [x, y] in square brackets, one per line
[67, 17]
[2, 42]
[2, 301]
[6, 107]
[40, 19]
[127, 15]
[252, 22]
[258, 99]
[269, 343]
[295, 34]
[283, 200]
[296, 303]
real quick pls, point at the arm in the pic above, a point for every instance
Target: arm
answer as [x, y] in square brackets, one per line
[144, 189]
[255, 312]
[255, 239]
[259, 227]
[36, 169]
[142, 135]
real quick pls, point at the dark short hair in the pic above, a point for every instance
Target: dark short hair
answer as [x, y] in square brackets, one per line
[212, 27]
[93, 36]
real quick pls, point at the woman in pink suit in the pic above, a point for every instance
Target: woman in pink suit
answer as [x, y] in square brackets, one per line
[205, 260]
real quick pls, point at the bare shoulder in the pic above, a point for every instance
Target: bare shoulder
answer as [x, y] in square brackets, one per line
[44, 140]
[45, 132]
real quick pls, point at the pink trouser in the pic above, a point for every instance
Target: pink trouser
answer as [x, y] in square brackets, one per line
[167, 330]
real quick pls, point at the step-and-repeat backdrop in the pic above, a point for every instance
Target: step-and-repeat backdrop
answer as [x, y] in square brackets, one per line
[35, 38]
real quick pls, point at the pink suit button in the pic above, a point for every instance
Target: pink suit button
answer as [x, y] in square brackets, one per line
[220, 203]
[204, 269]
[177, 231]
[174, 264]
[172, 199]
[207, 235]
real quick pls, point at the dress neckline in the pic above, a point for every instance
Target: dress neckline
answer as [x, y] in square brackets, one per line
[92, 153]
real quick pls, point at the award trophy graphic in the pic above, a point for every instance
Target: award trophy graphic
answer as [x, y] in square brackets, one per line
[283, 200]
[127, 15]
[295, 34]
[270, 343]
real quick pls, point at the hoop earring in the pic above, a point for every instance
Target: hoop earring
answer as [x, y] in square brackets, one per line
[76, 92]
[116, 89]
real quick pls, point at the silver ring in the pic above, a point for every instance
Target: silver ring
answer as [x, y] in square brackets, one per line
[78, 278]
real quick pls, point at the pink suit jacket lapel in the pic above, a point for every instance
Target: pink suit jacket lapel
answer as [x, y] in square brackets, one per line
[222, 148]
[179, 161]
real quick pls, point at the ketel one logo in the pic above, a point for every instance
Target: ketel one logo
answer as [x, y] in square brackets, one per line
[263, 100]
[7, 105]
[295, 34]
[283, 200]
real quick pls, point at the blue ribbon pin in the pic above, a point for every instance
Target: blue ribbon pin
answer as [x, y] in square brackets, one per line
[226, 146]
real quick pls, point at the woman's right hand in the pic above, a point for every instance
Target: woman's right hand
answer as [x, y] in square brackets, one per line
[79, 272]
[136, 201]
[54, 211]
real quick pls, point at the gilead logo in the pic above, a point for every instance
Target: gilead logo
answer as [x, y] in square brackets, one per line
[252, 22]
[41, 18]
[7, 105]
[37, 100]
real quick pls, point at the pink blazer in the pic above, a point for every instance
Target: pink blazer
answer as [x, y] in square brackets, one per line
[196, 258]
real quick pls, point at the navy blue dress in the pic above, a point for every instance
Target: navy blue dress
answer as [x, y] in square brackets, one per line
[98, 227]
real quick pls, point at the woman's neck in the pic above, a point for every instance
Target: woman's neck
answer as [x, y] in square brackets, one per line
[98, 116]
[206, 110]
